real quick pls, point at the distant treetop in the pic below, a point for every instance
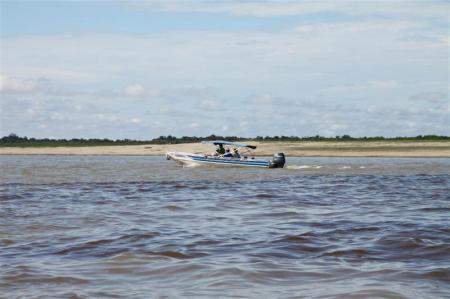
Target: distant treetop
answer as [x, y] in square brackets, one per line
[14, 140]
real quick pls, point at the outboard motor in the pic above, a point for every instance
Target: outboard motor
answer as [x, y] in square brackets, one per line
[277, 161]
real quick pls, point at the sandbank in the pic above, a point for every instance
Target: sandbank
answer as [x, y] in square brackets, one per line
[298, 148]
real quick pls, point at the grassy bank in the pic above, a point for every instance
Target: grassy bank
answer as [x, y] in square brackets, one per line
[15, 141]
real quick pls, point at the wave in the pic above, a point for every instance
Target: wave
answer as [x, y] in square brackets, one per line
[297, 167]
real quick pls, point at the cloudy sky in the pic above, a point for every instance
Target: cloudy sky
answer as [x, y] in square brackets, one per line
[141, 69]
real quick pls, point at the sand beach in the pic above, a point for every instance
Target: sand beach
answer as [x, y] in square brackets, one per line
[297, 149]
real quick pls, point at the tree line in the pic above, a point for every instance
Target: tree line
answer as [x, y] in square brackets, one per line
[15, 140]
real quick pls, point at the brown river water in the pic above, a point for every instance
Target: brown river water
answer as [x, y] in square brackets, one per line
[143, 227]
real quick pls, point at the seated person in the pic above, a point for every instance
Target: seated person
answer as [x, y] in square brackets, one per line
[236, 153]
[228, 154]
[219, 150]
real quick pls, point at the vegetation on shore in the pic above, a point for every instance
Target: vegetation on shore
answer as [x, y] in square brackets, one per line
[12, 140]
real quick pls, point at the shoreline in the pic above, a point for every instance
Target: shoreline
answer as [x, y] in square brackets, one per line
[408, 149]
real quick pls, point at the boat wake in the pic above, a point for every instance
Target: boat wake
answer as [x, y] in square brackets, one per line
[329, 167]
[295, 167]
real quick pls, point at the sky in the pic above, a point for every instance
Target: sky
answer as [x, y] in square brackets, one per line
[141, 69]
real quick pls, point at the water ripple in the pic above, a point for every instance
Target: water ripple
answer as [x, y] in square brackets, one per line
[203, 233]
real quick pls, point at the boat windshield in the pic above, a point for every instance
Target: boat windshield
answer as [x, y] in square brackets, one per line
[234, 144]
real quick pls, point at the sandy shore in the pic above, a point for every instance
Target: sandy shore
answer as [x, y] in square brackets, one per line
[304, 148]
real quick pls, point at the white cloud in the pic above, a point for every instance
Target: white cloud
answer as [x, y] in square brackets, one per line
[194, 125]
[362, 26]
[262, 99]
[372, 109]
[31, 111]
[209, 105]
[270, 8]
[431, 97]
[198, 91]
[135, 90]
[107, 117]
[135, 120]
[226, 58]
[314, 28]
[383, 83]
[370, 85]
[139, 91]
[56, 116]
[9, 84]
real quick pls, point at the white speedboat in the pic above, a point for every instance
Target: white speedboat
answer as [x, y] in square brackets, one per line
[242, 156]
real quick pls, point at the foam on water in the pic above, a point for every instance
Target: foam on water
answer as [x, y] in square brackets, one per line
[303, 166]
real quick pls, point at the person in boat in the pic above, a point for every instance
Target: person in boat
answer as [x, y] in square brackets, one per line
[228, 153]
[236, 153]
[219, 150]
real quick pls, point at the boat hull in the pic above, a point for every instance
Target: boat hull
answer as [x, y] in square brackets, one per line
[192, 160]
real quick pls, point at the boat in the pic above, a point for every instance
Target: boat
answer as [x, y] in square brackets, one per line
[242, 157]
